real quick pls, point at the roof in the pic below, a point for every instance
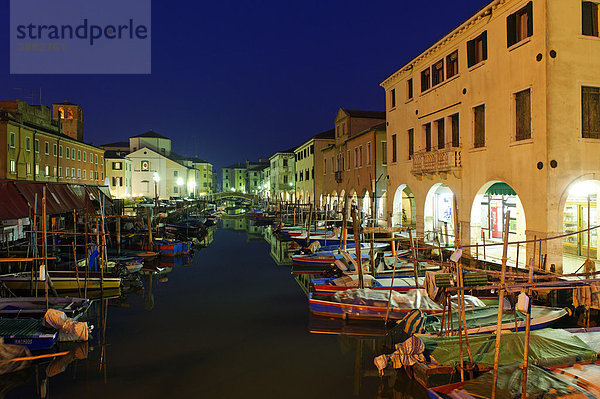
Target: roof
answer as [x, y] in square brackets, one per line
[238, 165]
[111, 154]
[151, 134]
[197, 160]
[365, 114]
[65, 103]
[329, 134]
[116, 144]
[380, 126]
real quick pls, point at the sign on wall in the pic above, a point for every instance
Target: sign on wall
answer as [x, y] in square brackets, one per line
[145, 166]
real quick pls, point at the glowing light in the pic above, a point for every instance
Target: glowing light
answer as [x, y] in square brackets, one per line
[156, 177]
[179, 181]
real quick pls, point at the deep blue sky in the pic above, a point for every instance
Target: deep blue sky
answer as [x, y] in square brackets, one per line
[237, 80]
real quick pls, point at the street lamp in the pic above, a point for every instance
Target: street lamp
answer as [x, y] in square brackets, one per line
[156, 179]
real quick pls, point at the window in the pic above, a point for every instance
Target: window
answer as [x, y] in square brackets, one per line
[91, 174]
[36, 145]
[28, 143]
[54, 169]
[95, 175]
[590, 112]
[84, 173]
[54, 149]
[477, 49]
[175, 190]
[392, 98]
[285, 162]
[312, 149]
[369, 153]
[68, 152]
[409, 89]
[47, 170]
[96, 159]
[79, 155]
[441, 134]
[383, 153]
[60, 151]
[425, 80]
[285, 179]
[427, 129]
[519, 25]
[13, 166]
[67, 171]
[84, 156]
[101, 160]
[394, 148]
[349, 160]
[312, 173]
[175, 173]
[437, 73]
[37, 169]
[28, 168]
[79, 173]
[589, 18]
[324, 166]
[523, 114]
[411, 143]
[12, 140]
[479, 126]
[452, 64]
[360, 157]
[60, 171]
[455, 131]
[46, 148]
[355, 157]
[72, 173]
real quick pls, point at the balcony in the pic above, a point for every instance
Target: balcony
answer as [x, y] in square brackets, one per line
[338, 176]
[445, 160]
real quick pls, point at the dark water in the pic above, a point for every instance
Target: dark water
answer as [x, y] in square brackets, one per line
[232, 324]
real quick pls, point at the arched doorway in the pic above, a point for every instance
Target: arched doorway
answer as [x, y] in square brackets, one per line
[404, 207]
[493, 201]
[579, 213]
[438, 215]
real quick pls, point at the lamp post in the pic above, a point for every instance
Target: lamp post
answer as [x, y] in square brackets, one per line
[156, 179]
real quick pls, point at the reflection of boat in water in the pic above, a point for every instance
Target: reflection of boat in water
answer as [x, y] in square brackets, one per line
[36, 306]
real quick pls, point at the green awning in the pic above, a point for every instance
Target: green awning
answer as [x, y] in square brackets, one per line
[500, 188]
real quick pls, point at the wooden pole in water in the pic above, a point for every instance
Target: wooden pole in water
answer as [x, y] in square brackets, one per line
[150, 243]
[387, 312]
[87, 253]
[356, 228]
[342, 241]
[501, 292]
[34, 276]
[527, 331]
[44, 243]
[118, 234]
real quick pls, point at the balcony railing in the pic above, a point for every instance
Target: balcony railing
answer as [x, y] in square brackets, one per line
[437, 161]
[338, 176]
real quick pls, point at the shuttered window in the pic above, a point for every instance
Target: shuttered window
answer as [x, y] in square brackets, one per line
[411, 143]
[479, 126]
[427, 137]
[523, 114]
[441, 134]
[409, 89]
[455, 131]
[394, 154]
[477, 49]
[590, 112]
[519, 25]
[437, 76]
[452, 64]
[392, 98]
[425, 80]
[589, 18]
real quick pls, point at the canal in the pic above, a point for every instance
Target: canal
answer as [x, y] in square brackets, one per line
[231, 324]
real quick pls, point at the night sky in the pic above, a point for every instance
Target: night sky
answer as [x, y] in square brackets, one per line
[237, 80]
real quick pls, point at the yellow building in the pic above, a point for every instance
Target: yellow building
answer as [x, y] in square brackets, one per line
[502, 114]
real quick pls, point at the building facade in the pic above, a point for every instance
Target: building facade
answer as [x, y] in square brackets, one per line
[502, 115]
[36, 148]
[344, 161]
[282, 175]
[234, 178]
[118, 173]
[309, 173]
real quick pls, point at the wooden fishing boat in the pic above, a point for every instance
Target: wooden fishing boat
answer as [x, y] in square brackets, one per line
[27, 332]
[331, 285]
[368, 304]
[36, 306]
[62, 281]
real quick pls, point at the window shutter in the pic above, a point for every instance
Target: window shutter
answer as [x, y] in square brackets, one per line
[511, 30]
[484, 41]
[471, 53]
[586, 18]
[529, 10]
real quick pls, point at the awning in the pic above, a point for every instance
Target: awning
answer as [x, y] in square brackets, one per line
[12, 204]
[500, 188]
[29, 191]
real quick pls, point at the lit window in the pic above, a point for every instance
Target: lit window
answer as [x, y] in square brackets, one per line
[519, 25]
[13, 166]
[477, 50]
